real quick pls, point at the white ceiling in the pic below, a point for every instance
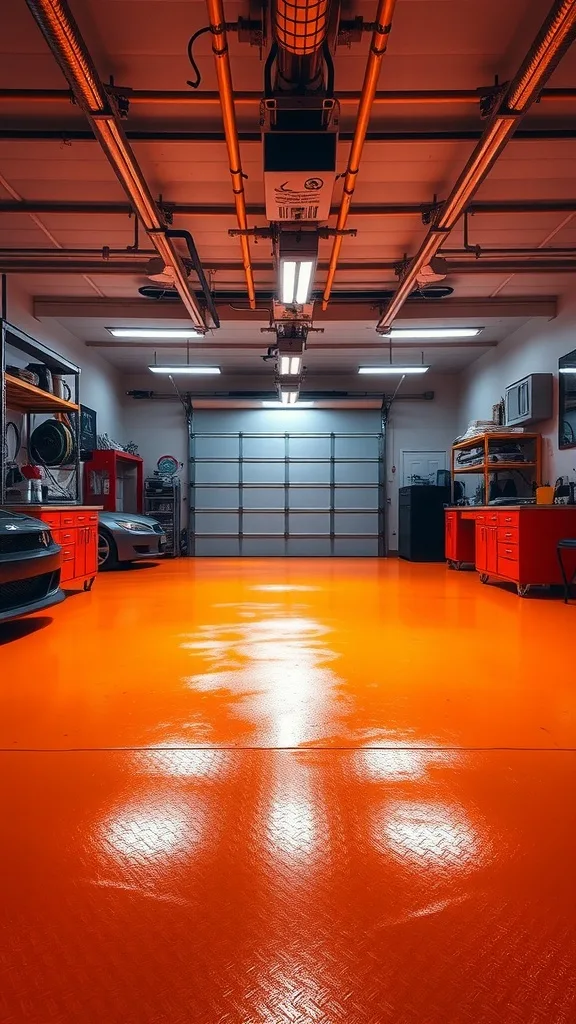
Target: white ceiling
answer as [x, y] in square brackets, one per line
[434, 44]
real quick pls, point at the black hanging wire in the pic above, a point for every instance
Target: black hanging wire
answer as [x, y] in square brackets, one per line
[198, 77]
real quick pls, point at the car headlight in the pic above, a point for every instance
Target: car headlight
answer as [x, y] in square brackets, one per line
[127, 524]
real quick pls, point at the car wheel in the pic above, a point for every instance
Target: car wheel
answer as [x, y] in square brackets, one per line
[107, 551]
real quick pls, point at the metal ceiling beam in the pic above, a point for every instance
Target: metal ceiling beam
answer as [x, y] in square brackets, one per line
[387, 97]
[72, 134]
[550, 45]
[445, 310]
[61, 33]
[39, 206]
[258, 346]
[72, 261]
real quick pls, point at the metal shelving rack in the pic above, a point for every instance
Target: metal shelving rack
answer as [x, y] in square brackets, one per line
[162, 502]
[25, 399]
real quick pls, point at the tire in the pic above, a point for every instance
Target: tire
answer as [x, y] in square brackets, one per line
[107, 550]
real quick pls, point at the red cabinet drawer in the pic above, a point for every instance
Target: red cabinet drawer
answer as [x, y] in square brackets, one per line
[508, 534]
[52, 519]
[508, 518]
[492, 518]
[92, 517]
[511, 552]
[508, 568]
[481, 518]
[68, 519]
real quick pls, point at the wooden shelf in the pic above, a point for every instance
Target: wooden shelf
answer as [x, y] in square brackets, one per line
[28, 398]
[494, 467]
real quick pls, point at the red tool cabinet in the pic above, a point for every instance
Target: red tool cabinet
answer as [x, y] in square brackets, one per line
[75, 529]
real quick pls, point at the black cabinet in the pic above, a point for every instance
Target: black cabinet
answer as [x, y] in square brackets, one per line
[421, 523]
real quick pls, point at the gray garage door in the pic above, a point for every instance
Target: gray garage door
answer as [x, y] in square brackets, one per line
[283, 493]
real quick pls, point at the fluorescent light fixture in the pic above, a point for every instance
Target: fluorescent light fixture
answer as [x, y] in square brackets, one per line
[154, 332]
[290, 366]
[183, 368]
[567, 369]
[393, 369]
[288, 280]
[420, 333]
[303, 283]
[281, 405]
[296, 281]
[288, 397]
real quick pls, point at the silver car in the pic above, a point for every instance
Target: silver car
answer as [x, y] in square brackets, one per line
[123, 537]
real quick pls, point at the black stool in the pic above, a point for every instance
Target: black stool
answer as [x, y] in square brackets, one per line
[569, 544]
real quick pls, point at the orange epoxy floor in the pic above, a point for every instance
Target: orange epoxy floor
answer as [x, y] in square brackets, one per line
[289, 792]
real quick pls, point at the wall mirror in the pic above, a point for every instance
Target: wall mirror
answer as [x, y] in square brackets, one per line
[567, 400]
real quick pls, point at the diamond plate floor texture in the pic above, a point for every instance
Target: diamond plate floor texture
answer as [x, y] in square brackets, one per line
[284, 792]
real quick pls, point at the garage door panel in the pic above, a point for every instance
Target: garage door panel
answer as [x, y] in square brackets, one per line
[309, 472]
[258, 447]
[356, 497]
[217, 472]
[309, 497]
[308, 547]
[263, 472]
[218, 497]
[309, 447]
[217, 547]
[263, 523]
[356, 547]
[356, 523]
[355, 446]
[355, 473]
[221, 446]
[216, 522]
[263, 547]
[272, 498]
[309, 522]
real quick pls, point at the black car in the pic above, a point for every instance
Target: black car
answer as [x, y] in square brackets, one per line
[29, 566]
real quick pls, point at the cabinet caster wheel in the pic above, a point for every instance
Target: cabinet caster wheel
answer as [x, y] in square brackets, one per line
[457, 566]
[88, 584]
[484, 577]
[522, 589]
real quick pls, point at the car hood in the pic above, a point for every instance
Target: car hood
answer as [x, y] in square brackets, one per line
[113, 518]
[10, 522]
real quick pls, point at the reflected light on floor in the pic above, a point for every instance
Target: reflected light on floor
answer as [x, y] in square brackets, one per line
[144, 833]
[396, 764]
[430, 834]
[277, 663]
[292, 827]
[183, 761]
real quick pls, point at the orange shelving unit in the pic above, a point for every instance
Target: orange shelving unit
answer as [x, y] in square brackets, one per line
[491, 462]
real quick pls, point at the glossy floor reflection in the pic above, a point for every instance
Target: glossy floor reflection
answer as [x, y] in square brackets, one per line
[268, 793]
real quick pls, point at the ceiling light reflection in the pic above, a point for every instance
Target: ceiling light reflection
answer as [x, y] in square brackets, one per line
[181, 761]
[429, 834]
[394, 764]
[144, 832]
[292, 826]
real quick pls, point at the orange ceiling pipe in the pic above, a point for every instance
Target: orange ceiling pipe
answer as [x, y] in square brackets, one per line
[61, 32]
[378, 48]
[226, 90]
[555, 37]
[300, 26]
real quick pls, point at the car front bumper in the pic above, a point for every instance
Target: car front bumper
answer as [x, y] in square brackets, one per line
[29, 582]
[134, 544]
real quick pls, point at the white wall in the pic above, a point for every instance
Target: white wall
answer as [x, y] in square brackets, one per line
[534, 348]
[418, 426]
[101, 387]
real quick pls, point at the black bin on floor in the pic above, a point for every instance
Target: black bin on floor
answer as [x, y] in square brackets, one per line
[421, 523]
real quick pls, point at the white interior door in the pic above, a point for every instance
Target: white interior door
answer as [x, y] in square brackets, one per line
[421, 467]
